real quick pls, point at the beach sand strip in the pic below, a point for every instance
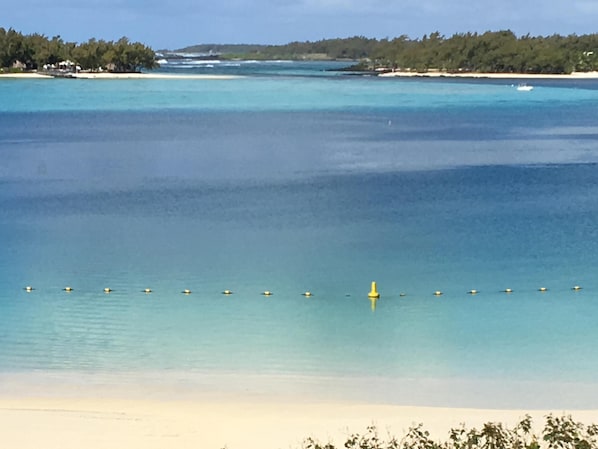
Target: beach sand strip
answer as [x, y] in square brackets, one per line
[105, 423]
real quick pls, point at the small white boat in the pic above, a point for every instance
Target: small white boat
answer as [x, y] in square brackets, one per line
[524, 87]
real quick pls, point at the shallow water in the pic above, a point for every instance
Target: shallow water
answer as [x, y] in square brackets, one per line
[294, 183]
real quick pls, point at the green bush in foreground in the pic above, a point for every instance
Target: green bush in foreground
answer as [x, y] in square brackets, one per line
[559, 433]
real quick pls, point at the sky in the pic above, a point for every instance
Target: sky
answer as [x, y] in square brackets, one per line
[179, 23]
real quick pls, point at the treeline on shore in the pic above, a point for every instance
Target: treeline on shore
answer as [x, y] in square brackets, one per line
[34, 51]
[492, 51]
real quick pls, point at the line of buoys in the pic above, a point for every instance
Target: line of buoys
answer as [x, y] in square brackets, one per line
[373, 294]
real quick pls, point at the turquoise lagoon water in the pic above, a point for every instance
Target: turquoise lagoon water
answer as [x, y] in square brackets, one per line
[289, 182]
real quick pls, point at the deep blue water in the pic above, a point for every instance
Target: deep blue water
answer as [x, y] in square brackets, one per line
[294, 183]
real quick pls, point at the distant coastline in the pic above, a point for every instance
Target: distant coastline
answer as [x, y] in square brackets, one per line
[381, 74]
[472, 54]
[118, 76]
[439, 74]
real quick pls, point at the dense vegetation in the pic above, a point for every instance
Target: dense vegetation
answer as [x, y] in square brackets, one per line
[352, 49]
[33, 51]
[559, 432]
[500, 52]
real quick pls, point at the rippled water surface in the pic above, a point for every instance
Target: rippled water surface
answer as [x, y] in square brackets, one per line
[294, 183]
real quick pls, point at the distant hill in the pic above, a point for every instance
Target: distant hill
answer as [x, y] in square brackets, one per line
[222, 48]
[353, 49]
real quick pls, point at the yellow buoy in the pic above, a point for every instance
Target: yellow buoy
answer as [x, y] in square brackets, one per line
[576, 288]
[186, 292]
[542, 289]
[107, 290]
[437, 293]
[472, 292]
[267, 293]
[147, 290]
[373, 294]
[227, 292]
[68, 289]
[306, 294]
[507, 290]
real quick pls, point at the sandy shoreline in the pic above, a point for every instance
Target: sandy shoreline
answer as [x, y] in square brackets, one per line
[121, 76]
[27, 75]
[242, 423]
[163, 76]
[166, 76]
[141, 411]
[524, 76]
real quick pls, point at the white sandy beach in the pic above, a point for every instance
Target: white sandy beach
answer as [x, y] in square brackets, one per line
[24, 75]
[525, 76]
[119, 76]
[147, 410]
[164, 76]
[156, 411]
[431, 74]
[239, 423]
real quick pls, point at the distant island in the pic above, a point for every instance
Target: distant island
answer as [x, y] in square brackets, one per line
[499, 52]
[489, 52]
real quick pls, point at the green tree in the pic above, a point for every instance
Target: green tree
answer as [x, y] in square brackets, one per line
[12, 49]
[124, 56]
[90, 54]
